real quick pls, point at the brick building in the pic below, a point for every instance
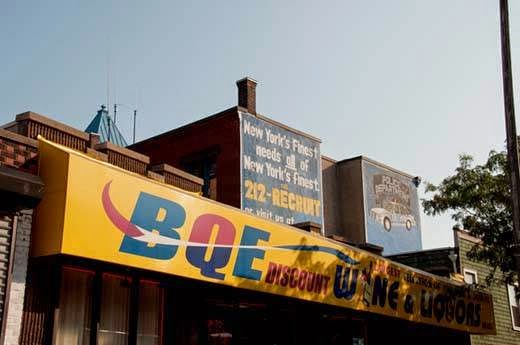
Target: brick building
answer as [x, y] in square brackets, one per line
[20, 191]
[240, 153]
[368, 202]
[22, 313]
[122, 249]
[211, 148]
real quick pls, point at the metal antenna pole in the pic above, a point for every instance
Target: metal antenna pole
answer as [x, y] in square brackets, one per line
[108, 124]
[108, 92]
[512, 141]
[135, 116]
[109, 129]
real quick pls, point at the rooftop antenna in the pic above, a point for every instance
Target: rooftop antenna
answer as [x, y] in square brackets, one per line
[109, 134]
[129, 108]
[114, 86]
[108, 85]
[135, 116]
[108, 123]
[135, 112]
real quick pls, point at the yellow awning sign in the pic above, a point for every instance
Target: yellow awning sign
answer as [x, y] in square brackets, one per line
[94, 210]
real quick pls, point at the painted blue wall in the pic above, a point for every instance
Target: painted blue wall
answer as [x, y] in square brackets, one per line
[391, 210]
[273, 158]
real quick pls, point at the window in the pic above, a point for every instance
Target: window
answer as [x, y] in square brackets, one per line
[150, 313]
[470, 276]
[514, 306]
[115, 310]
[108, 309]
[207, 170]
[74, 312]
[204, 165]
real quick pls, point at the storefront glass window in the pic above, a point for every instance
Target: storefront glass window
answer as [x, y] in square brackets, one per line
[219, 332]
[73, 319]
[149, 316]
[115, 310]
[219, 322]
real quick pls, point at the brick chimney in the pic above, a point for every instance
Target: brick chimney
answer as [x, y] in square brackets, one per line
[247, 94]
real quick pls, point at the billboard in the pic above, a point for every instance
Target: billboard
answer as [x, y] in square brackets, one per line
[392, 213]
[281, 173]
[94, 210]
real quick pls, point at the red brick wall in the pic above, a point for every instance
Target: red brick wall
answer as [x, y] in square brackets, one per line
[221, 131]
[16, 150]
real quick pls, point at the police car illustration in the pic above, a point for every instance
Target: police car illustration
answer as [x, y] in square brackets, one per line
[393, 214]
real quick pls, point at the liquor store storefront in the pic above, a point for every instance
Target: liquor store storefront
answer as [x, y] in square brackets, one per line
[121, 259]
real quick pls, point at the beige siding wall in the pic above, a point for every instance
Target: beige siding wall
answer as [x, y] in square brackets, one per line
[505, 333]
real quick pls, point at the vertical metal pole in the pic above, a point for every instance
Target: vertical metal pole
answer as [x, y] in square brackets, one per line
[108, 124]
[512, 141]
[135, 115]
[115, 113]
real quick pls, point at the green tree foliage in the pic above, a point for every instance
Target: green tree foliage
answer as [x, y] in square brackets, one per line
[479, 199]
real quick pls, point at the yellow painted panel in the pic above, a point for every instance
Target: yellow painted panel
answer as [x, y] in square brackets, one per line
[47, 230]
[123, 218]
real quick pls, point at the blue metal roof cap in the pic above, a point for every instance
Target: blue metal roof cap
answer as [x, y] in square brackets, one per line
[103, 125]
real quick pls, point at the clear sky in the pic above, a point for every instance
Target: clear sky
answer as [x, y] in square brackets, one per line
[409, 83]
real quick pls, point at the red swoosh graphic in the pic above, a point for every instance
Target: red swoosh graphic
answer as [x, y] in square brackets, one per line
[115, 217]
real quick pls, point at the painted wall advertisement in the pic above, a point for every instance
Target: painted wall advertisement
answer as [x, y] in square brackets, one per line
[281, 173]
[391, 210]
[104, 213]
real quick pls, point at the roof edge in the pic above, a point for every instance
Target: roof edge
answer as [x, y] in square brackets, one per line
[279, 124]
[379, 164]
[222, 113]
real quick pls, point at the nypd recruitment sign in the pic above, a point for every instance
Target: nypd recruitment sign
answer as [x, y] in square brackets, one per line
[281, 173]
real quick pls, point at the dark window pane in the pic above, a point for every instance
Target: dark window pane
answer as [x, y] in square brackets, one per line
[150, 309]
[115, 303]
[73, 319]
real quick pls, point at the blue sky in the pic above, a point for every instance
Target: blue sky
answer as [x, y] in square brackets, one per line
[409, 83]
